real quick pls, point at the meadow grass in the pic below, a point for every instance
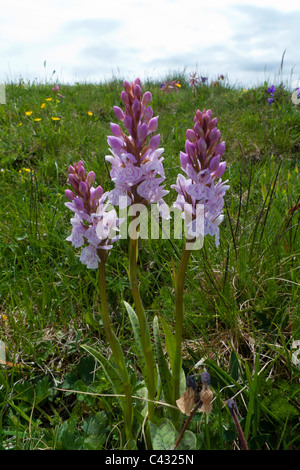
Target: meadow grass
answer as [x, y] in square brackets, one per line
[241, 300]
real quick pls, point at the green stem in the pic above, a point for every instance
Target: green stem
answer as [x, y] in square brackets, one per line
[179, 313]
[145, 335]
[117, 351]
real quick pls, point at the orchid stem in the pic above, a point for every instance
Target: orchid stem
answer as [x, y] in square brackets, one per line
[117, 351]
[179, 313]
[145, 335]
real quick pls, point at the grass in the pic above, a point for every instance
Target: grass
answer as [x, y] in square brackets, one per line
[241, 300]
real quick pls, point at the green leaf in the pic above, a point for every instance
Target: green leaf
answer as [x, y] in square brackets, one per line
[109, 370]
[163, 436]
[164, 371]
[188, 442]
[137, 337]
[170, 341]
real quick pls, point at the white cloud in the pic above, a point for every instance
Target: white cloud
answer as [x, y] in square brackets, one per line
[89, 40]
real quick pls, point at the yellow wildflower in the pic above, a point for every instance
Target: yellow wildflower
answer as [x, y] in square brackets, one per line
[48, 99]
[38, 119]
[4, 317]
[55, 118]
[43, 105]
[28, 113]
[90, 113]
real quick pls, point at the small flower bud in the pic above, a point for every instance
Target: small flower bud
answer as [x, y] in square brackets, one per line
[116, 130]
[190, 135]
[119, 113]
[137, 91]
[90, 178]
[127, 123]
[142, 131]
[214, 163]
[69, 194]
[147, 97]
[147, 115]
[83, 188]
[154, 142]
[153, 123]
[190, 149]
[125, 97]
[220, 149]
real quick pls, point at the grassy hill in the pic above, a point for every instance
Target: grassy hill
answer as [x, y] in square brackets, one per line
[241, 300]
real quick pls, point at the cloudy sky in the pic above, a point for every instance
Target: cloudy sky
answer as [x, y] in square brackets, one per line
[95, 40]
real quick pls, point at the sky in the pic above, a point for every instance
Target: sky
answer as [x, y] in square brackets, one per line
[67, 41]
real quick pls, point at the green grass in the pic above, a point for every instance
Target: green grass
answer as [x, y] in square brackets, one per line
[241, 300]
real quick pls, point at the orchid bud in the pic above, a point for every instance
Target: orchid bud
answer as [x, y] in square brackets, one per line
[153, 123]
[214, 135]
[69, 194]
[83, 188]
[146, 98]
[127, 86]
[214, 163]
[148, 113]
[97, 193]
[116, 129]
[190, 149]
[90, 178]
[201, 146]
[125, 97]
[137, 92]
[190, 135]
[213, 123]
[119, 113]
[220, 171]
[82, 172]
[154, 142]
[127, 123]
[220, 149]
[184, 160]
[73, 180]
[136, 108]
[142, 131]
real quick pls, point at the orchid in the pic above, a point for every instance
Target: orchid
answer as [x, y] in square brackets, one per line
[138, 175]
[202, 189]
[136, 162]
[202, 164]
[170, 86]
[92, 226]
[194, 81]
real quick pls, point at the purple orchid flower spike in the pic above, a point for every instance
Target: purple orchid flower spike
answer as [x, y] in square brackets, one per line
[202, 164]
[136, 162]
[92, 226]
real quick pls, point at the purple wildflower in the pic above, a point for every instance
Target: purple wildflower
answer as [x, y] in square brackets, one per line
[170, 86]
[136, 162]
[271, 90]
[203, 79]
[194, 81]
[92, 225]
[202, 164]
